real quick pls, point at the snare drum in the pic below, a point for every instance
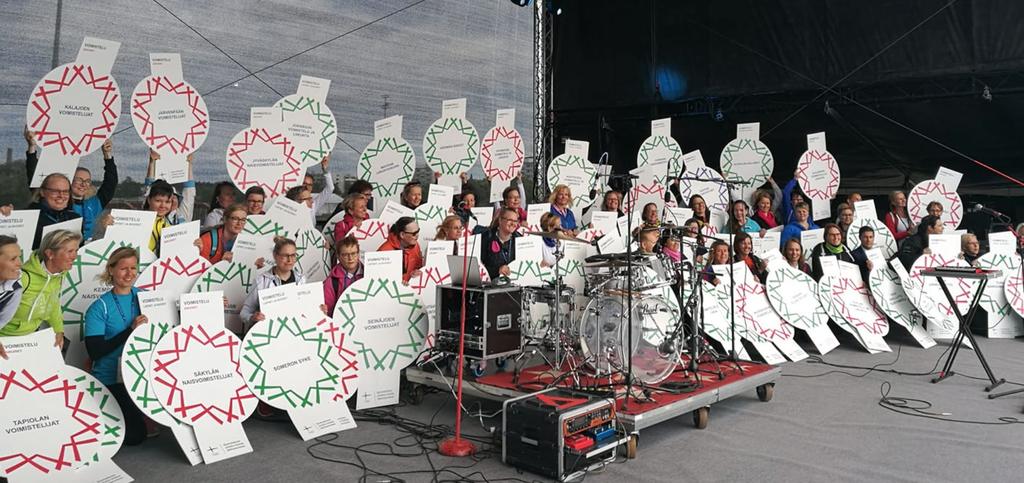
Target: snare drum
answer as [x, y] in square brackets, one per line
[539, 309]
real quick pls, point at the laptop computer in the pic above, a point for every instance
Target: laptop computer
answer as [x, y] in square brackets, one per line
[455, 266]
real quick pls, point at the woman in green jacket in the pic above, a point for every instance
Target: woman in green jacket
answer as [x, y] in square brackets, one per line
[41, 278]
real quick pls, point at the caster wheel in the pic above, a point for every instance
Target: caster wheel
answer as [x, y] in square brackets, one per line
[416, 394]
[700, 417]
[501, 363]
[476, 370]
[631, 445]
[765, 392]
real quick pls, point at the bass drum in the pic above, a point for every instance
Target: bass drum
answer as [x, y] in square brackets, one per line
[605, 343]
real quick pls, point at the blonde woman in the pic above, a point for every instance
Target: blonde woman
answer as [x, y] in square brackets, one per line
[561, 205]
[450, 229]
[109, 322]
[897, 220]
[41, 284]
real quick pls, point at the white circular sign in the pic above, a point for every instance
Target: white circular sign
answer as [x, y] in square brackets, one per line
[451, 145]
[371, 234]
[310, 125]
[575, 172]
[314, 255]
[715, 194]
[264, 158]
[290, 363]
[792, 294]
[817, 173]
[747, 160]
[388, 164]
[931, 190]
[883, 237]
[195, 373]
[386, 322]
[55, 420]
[74, 109]
[170, 116]
[663, 154]
[501, 153]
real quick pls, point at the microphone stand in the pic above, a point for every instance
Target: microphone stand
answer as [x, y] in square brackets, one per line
[729, 184]
[627, 185]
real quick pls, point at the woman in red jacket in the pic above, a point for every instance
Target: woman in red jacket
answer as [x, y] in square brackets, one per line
[897, 220]
[404, 235]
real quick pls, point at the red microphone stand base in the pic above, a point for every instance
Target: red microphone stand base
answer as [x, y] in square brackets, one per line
[456, 447]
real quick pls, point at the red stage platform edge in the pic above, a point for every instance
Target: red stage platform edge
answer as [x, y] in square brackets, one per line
[536, 378]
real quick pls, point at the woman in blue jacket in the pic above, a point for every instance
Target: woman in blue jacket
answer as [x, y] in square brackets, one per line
[109, 322]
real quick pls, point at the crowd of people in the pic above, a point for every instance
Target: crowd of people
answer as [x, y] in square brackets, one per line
[30, 290]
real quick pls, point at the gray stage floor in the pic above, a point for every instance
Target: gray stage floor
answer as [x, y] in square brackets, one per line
[816, 429]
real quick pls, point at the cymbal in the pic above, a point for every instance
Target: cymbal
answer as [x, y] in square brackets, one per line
[636, 255]
[617, 264]
[557, 234]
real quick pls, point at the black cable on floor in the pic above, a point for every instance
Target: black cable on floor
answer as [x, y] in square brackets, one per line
[920, 408]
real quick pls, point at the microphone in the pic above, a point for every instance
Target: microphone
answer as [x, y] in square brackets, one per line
[979, 208]
[467, 211]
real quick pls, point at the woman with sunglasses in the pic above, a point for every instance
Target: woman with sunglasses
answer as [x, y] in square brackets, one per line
[404, 235]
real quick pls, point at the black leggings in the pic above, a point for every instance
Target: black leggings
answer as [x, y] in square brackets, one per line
[134, 421]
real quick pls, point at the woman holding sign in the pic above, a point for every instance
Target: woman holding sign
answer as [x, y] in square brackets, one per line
[356, 212]
[109, 322]
[561, 205]
[216, 244]
[347, 270]
[498, 245]
[223, 197]
[915, 246]
[404, 235]
[283, 272]
[897, 220]
[10, 281]
[738, 220]
[41, 278]
[53, 196]
[793, 252]
[744, 247]
[831, 247]
[412, 195]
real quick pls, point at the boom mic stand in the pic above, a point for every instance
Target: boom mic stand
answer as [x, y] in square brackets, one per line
[729, 184]
[627, 180]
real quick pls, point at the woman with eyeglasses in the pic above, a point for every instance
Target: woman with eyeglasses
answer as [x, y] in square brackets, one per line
[450, 229]
[303, 196]
[216, 244]
[283, 272]
[346, 271]
[254, 199]
[404, 235]
[86, 200]
[109, 322]
[52, 199]
[498, 245]
[832, 246]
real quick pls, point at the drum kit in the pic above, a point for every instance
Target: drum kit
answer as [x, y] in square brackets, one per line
[640, 316]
